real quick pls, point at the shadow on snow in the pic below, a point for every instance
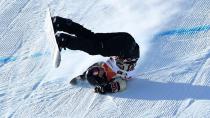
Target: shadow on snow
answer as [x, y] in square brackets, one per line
[151, 90]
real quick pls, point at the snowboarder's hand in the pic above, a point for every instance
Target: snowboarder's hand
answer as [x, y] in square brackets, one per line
[123, 75]
[99, 89]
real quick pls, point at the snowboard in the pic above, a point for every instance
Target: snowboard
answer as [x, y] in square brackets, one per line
[55, 52]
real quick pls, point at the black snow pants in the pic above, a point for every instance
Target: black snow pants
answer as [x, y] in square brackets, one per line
[120, 44]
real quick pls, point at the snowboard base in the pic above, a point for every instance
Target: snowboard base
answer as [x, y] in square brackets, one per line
[56, 56]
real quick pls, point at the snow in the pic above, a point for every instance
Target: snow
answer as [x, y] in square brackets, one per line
[172, 78]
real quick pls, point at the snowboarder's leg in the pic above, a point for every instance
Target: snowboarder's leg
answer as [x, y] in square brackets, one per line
[112, 44]
[67, 25]
[92, 47]
[118, 44]
[105, 44]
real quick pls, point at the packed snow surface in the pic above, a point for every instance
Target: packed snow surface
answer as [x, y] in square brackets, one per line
[172, 77]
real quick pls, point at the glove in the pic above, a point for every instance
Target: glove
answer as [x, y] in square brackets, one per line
[123, 75]
[99, 89]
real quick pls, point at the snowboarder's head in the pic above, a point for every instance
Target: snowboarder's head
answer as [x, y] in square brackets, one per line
[127, 64]
[96, 75]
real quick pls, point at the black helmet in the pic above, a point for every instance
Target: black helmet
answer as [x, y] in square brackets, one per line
[96, 75]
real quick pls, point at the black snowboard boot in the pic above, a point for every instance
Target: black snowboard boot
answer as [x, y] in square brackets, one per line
[68, 26]
[63, 40]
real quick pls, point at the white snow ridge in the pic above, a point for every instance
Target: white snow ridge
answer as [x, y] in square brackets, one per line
[172, 78]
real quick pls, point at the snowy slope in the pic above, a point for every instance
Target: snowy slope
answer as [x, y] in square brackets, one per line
[172, 78]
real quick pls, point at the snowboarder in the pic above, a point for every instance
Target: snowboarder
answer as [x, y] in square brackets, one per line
[105, 76]
[119, 46]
